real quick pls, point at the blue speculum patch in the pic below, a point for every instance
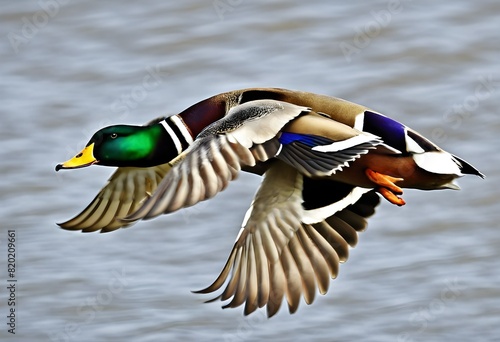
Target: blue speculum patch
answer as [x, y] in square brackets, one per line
[309, 140]
[391, 131]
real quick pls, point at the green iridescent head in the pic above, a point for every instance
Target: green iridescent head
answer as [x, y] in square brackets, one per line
[123, 145]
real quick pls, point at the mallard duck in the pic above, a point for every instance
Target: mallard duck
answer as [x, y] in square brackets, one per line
[325, 164]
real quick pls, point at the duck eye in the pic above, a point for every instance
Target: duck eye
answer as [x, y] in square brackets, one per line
[113, 135]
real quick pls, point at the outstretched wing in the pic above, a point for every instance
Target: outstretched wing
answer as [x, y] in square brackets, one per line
[123, 194]
[246, 135]
[277, 255]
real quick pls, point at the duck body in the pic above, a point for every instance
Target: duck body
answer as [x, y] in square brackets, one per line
[415, 161]
[323, 161]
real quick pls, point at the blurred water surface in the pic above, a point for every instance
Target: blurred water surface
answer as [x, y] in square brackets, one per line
[426, 272]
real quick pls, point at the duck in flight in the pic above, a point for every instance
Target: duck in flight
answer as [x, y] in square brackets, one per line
[325, 162]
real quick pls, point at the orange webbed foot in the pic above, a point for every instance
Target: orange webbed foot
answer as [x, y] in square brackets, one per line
[390, 196]
[386, 186]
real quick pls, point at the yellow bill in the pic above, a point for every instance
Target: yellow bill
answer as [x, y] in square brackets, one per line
[82, 159]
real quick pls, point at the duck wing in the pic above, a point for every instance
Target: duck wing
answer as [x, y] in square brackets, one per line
[319, 146]
[277, 255]
[247, 134]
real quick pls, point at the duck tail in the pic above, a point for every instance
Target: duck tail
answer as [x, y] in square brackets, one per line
[467, 168]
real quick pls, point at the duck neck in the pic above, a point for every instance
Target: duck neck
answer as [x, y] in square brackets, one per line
[175, 137]
[203, 113]
[190, 122]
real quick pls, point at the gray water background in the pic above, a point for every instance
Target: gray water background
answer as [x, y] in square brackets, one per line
[428, 271]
